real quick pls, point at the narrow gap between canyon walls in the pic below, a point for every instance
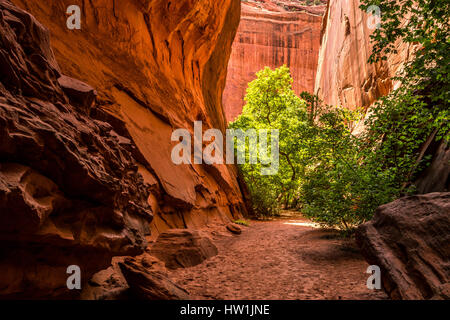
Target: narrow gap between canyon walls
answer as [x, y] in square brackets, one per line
[281, 255]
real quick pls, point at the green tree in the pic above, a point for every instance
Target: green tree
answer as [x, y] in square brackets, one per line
[338, 188]
[272, 104]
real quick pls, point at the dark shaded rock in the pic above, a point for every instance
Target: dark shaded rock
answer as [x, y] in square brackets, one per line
[233, 228]
[79, 93]
[181, 248]
[26, 199]
[436, 178]
[26, 59]
[409, 239]
[148, 284]
[70, 192]
[108, 284]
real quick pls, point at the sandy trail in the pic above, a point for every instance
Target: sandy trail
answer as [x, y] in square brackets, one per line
[280, 259]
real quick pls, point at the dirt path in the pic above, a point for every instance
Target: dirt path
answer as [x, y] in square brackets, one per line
[281, 259]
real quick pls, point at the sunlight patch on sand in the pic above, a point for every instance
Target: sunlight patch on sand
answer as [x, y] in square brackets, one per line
[302, 223]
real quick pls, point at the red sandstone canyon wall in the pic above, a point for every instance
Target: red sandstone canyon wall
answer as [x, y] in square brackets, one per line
[157, 66]
[273, 33]
[344, 76]
[88, 164]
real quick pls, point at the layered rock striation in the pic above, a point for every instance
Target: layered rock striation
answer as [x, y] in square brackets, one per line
[344, 76]
[273, 33]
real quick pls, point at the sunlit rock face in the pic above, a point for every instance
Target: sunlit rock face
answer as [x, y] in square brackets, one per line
[86, 118]
[157, 66]
[273, 33]
[344, 76]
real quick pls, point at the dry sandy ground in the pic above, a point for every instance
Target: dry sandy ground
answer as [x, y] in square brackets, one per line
[281, 259]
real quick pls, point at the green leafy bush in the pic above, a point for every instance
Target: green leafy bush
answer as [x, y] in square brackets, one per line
[242, 222]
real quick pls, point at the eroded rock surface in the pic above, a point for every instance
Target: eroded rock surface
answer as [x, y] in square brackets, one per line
[409, 239]
[107, 284]
[70, 192]
[182, 248]
[78, 92]
[156, 66]
[273, 33]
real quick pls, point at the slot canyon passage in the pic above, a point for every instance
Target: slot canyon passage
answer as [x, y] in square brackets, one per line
[86, 176]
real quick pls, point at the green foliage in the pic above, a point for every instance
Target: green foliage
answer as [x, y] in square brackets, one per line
[324, 169]
[423, 24]
[338, 178]
[400, 123]
[272, 104]
[242, 222]
[338, 188]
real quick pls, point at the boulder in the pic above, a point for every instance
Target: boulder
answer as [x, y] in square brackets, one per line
[146, 278]
[181, 248]
[234, 228]
[148, 284]
[436, 178]
[107, 284]
[409, 239]
[79, 93]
